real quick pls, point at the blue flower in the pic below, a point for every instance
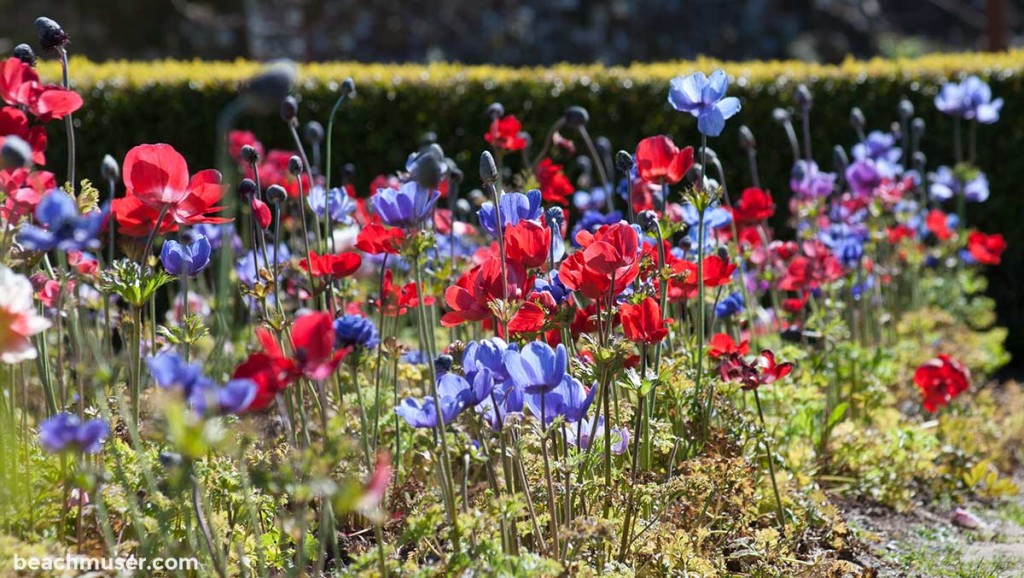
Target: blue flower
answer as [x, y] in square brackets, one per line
[486, 354]
[730, 306]
[189, 259]
[66, 432]
[216, 233]
[537, 368]
[863, 176]
[570, 400]
[591, 221]
[808, 181]
[423, 413]
[355, 331]
[551, 285]
[235, 396]
[515, 207]
[456, 394]
[705, 99]
[63, 227]
[247, 264]
[971, 99]
[336, 201]
[404, 207]
[170, 371]
[579, 435]
[945, 185]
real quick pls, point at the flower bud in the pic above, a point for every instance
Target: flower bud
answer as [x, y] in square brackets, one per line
[348, 86]
[463, 207]
[110, 170]
[476, 196]
[624, 161]
[427, 169]
[576, 117]
[723, 253]
[455, 175]
[804, 98]
[781, 115]
[917, 127]
[250, 155]
[648, 220]
[443, 363]
[747, 140]
[314, 132]
[555, 217]
[348, 170]
[919, 161]
[289, 109]
[276, 194]
[51, 35]
[16, 153]
[906, 110]
[24, 53]
[857, 120]
[264, 92]
[295, 165]
[495, 111]
[603, 146]
[839, 159]
[488, 169]
[707, 152]
[247, 188]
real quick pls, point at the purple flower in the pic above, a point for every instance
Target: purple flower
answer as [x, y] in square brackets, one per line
[336, 201]
[570, 400]
[486, 354]
[170, 371]
[579, 435]
[405, 207]
[355, 331]
[808, 181]
[66, 432]
[537, 368]
[730, 306]
[863, 177]
[63, 227]
[189, 259]
[971, 99]
[246, 266]
[705, 99]
[515, 207]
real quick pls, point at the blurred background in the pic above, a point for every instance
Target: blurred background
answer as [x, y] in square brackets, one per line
[519, 32]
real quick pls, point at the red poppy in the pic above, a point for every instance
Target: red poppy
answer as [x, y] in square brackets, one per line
[722, 344]
[528, 243]
[314, 356]
[940, 380]
[155, 177]
[13, 122]
[375, 239]
[717, 271]
[261, 211]
[898, 233]
[751, 375]
[755, 205]
[610, 255]
[505, 134]
[938, 224]
[397, 300]
[20, 86]
[643, 323]
[986, 249]
[555, 187]
[528, 318]
[659, 160]
[333, 266]
[268, 373]
[469, 299]
[795, 304]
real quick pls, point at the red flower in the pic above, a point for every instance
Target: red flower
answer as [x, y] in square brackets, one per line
[717, 271]
[554, 185]
[314, 355]
[986, 249]
[611, 254]
[898, 233]
[396, 300]
[156, 176]
[762, 371]
[659, 160]
[333, 266]
[375, 239]
[20, 86]
[940, 380]
[270, 375]
[755, 205]
[505, 134]
[13, 122]
[261, 211]
[238, 139]
[528, 243]
[722, 344]
[938, 224]
[469, 299]
[643, 323]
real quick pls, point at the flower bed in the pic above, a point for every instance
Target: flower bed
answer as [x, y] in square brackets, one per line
[594, 363]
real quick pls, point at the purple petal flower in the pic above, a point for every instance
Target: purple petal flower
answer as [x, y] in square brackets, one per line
[63, 228]
[515, 207]
[705, 99]
[179, 259]
[537, 368]
[405, 207]
[66, 432]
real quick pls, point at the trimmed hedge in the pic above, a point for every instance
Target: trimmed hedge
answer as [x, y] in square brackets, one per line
[177, 102]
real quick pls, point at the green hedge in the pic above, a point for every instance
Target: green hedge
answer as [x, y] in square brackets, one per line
[177, 103]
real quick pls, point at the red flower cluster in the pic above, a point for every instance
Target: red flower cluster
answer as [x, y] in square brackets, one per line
[375, 238]
[755, 205]
[20, 86]
[505, 134]
[940, 380]
[723, 345]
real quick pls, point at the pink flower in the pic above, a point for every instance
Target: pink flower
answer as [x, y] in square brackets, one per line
[18, 319]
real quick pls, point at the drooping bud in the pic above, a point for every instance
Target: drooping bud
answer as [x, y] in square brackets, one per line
[428, 168]
[110, 169]
[804, 98]
[16, 153]
[624, 161]
[495, 111]
[24, 53]
[603, 146]
[247, 188]
[906, 110]
[576, 117]
[857, 120]
[348, 86]
[839, 159]
[51, 35]
[313, 132]
[707, 152]
[276, 194]
[295, 165]
[289, 109]
[488, 168]
[781, 115]
[264, 92]
[648, 220]
[443, 364]
[249, 154]
[747, 140]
